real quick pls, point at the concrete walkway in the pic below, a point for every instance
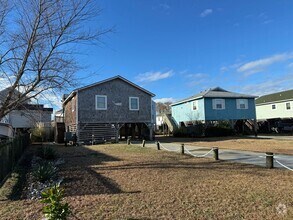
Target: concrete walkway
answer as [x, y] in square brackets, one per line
[273, 137]
[238, 156]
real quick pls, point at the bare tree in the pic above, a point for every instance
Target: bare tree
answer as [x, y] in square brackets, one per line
[37, 49]
[163, 107]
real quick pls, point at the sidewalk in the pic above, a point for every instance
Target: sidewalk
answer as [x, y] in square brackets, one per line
[238, 156]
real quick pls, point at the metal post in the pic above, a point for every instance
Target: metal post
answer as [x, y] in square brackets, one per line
[269, 160]
[182, 148]
[143, 143]
[158, 145]
[216, 153]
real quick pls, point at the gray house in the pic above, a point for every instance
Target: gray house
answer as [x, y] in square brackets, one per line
[109, 109]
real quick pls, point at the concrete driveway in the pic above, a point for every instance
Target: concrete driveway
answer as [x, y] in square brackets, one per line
[238, 156]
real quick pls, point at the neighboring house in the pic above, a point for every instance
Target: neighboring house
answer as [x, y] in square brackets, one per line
[26, 115]
[212, 105]
[276, 110]
[30, 116]
[108, 109]
[159, 120]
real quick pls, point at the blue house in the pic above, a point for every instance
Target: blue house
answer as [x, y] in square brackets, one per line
[213, 105]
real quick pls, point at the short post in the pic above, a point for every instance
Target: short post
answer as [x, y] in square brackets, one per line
[143, 143]
[128, 141]
[158, 145]
[269, 160]
[182, 148]
[216, 153]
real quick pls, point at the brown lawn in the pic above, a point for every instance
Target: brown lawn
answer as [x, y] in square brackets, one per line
[130, 182]
[281, 146]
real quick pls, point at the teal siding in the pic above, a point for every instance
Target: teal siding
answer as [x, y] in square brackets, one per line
[184, 112]
[230, 111]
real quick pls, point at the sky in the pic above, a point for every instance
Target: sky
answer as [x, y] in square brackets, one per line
[176, 49]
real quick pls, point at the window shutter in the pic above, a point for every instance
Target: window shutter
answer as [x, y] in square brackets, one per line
[214, 104]
[223, 104]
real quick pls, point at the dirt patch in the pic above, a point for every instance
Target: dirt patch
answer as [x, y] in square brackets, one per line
[129, 182]
[238, 143]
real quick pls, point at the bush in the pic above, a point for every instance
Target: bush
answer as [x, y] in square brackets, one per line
[47, 153]
[180, 132]
[38, 134]
[44, 171]
[54, 208]
[218, 131]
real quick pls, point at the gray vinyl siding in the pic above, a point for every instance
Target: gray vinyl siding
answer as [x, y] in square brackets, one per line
[117, 91]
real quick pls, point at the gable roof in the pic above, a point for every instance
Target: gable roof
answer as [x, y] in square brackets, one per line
[275, 97]
[216, 92]
[104, 81]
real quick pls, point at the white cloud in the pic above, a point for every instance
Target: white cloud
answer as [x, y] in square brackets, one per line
[197, 75]
[5, 81]
[153, 76]
[269, 86]
[206, 12]
[261, 64]
[164, 6]
[164, 100]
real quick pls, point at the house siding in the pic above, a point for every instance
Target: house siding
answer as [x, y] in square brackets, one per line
[230, 112]
[70, 112]
[265, 111]
[117, 91]
[184, 112]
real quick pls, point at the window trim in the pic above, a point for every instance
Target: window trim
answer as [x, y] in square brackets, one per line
[274, 106]
[106, 102]
[72, 104]
[196, 104]
[238, 104]
[215, 104]
[133, 97]
[288, 106]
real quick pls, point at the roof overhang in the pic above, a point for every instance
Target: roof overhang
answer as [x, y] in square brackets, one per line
[72, 94]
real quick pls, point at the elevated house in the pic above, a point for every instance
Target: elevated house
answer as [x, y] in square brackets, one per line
[109, 109]
[275, 111]
[215, 105]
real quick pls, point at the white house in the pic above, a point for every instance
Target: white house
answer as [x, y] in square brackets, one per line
[275, 106]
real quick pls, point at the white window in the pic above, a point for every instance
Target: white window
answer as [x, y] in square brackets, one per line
[218, 104]
[273, 106]
[133, 103]
[242, 103]
[101, 102]
[288, 107]
[195, 105]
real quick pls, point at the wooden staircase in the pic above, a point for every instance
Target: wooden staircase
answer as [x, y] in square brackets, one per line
[169, 121]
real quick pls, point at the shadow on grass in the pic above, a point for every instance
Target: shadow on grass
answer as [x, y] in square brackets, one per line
[79, 178]
[13, 187]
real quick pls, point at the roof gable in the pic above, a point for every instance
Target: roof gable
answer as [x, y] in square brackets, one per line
[275, 97]
[216, 92]
[105, 81]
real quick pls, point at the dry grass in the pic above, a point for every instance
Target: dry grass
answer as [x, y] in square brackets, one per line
[128, 182]
[238, 143]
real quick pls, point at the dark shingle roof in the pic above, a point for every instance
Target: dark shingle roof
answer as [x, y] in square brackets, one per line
[275, 97]
[215, 93]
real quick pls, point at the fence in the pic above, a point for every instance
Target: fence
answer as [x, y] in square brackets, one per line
[10, 152]
[270, 158]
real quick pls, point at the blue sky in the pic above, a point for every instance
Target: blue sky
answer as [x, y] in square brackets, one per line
[176, 49]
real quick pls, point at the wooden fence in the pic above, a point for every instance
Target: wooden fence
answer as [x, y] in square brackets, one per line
[10, 152]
